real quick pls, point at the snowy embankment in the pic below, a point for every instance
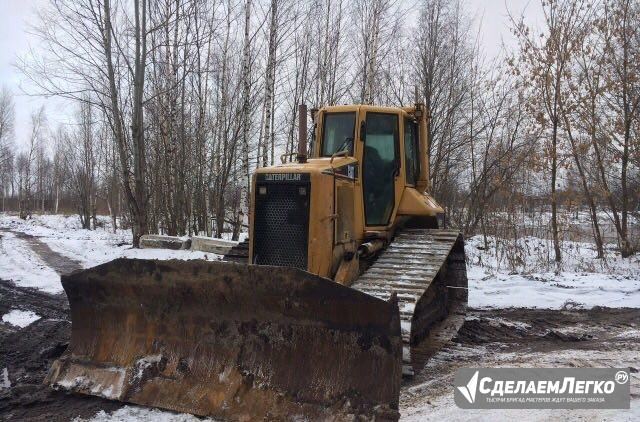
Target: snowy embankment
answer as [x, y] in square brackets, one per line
[503, 274]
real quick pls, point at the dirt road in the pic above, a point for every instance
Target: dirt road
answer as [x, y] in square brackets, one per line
[60, 263]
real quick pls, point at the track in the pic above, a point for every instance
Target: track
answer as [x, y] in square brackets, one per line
[425, 268]
[239, 253]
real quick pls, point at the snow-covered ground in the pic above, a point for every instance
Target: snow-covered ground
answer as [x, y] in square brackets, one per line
[142, 414]
[63, 234]
[502, 275]
[444, 409]
[20, 264]
[507, 274]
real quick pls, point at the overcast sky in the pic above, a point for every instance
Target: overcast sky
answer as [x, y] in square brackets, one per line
[15, 41]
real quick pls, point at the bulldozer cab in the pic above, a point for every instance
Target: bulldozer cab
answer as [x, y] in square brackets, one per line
[367, 171]
[372, 135]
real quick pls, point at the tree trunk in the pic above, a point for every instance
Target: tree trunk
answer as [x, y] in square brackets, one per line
[270, 82]
[246, 87]
[554, 171]
[137, 199]
[585, 187]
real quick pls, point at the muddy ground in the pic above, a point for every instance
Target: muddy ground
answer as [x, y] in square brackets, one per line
[27, 354]
[508, 337]
[599, 337]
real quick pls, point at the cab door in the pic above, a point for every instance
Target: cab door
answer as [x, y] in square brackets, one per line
[380, 166]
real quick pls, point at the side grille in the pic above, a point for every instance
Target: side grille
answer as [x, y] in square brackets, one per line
[281, 222]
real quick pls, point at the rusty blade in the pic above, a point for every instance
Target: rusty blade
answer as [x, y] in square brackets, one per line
[234, 341]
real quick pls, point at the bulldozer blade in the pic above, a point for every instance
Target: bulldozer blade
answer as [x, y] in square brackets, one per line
[234, 341]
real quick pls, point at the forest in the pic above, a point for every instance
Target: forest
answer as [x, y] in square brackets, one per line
[176, 102]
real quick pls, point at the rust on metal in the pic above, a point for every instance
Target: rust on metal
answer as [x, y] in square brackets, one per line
[233, 341]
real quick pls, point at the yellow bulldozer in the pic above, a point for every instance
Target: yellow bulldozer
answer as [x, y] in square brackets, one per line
[351, 282]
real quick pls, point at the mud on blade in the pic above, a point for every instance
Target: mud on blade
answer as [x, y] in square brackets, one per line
[230, 340]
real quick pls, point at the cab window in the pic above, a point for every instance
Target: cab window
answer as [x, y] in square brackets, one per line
[411, 151]
[380, 167]
[338, 133]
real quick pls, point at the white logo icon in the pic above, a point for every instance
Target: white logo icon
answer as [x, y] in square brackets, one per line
[622, 377]
[469, 392]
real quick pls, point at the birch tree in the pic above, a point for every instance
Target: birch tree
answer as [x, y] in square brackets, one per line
[7, 121]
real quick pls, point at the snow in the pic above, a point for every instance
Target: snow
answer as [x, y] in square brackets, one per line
[142, 414]
[629, 335]
[506, 274]
[517, 275]
[145, 363]
[444, 408]
[550, 291]
[20, 318]
[405, 327]
[75, 382]
[24, 267]
[5, 383]
[64, 235]
[417, 407]
[532, 255]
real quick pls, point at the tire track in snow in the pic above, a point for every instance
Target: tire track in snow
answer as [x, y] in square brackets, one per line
[60, 263]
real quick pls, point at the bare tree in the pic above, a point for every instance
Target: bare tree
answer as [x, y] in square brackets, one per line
[91, 54]
[622, 38]
[547, 59]
[246, 97]
[187, 97]
[25, 163]
[270, 76]
[7, 119]
[578, 110]
[80, 164]
[444, 55]
[376, 27]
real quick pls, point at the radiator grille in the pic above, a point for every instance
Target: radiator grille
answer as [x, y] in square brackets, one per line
[281, 223]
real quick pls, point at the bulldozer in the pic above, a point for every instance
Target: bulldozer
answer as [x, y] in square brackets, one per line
[350, 284]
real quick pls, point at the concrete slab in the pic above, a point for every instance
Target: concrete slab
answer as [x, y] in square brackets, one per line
[164, 242]
[213, 245]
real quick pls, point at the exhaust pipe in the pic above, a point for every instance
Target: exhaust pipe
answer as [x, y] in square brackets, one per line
[369, 248]
[302, 133]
